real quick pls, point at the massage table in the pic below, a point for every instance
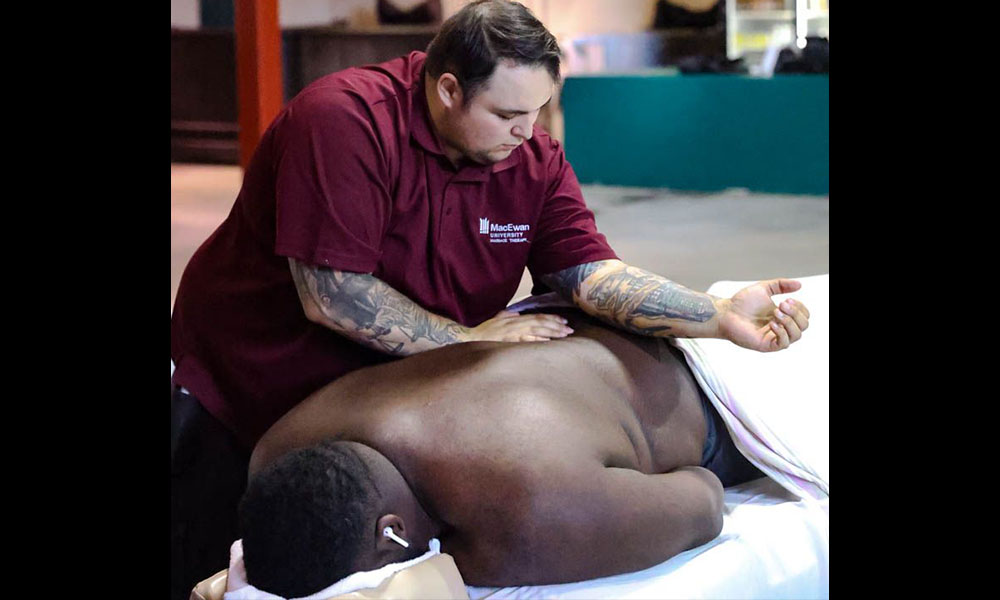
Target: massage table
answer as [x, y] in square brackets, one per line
[775, 536]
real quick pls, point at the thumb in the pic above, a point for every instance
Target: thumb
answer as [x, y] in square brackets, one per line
[781, 286]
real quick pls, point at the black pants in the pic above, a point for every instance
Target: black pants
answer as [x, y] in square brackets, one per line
[721, 456]
[208, 473]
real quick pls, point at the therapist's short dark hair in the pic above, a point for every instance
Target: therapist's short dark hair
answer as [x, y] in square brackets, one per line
[473, 41]
[304, 518]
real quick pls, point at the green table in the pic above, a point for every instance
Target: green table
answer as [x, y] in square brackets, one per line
[659, 128]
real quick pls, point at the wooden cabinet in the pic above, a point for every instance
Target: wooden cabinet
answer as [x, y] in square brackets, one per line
[203, 104]
[203, 116]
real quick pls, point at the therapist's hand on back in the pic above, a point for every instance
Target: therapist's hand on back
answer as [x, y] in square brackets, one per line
[509, 326]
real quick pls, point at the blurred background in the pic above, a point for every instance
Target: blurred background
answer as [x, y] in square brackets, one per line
[699, 129]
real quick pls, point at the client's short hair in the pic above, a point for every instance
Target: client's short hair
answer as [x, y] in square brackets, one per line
[304, 518]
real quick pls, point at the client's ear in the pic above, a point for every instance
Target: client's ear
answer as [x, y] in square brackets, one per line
[391, 543]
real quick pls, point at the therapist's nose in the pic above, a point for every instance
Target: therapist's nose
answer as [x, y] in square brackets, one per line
[523, 130]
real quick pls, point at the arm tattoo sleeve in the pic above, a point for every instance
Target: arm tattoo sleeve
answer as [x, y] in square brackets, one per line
[370, 311]
[635, 299]
[567, 282]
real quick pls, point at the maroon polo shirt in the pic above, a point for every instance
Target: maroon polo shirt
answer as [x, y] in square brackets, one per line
[350, 175]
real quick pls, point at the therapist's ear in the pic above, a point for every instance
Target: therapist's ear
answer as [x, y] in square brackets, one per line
[449, 91]
[390, 538]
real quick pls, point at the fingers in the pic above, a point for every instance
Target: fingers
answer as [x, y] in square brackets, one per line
[799, 306]
[780, 341]
[512, 327]
[797, 311]
[791, 318]
[789, 325]
[531, 338]
[537, 334]
[549, 326]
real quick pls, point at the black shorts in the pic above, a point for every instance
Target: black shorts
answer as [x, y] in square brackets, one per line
[720, 455]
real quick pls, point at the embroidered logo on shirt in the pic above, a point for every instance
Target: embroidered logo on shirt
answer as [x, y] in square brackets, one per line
[510, 233]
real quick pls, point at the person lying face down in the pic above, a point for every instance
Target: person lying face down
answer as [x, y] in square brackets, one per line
[532, 463]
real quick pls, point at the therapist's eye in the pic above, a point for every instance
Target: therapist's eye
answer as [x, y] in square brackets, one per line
[505, 117]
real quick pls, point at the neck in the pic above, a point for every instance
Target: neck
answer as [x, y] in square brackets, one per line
[425, 526]
[400, 498]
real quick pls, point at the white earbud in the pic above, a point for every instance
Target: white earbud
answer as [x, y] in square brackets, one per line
[387, 532]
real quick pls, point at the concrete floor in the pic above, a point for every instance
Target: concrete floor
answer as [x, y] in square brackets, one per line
[692, 238]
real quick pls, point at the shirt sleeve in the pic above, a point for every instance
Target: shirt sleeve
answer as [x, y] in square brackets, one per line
[567, 234]
[331, 184]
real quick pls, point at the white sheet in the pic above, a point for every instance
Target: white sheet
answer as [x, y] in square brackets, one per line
[237, 587]
[774, 543]
[776, 405]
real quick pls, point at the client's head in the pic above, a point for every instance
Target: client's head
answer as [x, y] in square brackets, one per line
[317, 514]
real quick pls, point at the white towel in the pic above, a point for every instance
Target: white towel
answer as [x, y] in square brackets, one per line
[776, 405]
[237, 587]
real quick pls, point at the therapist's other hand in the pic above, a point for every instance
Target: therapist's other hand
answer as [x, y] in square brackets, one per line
[752, 320]
[509, 326]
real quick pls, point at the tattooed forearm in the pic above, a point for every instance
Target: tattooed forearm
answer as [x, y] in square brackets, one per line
[567, 282]
[632, 298]
[371, 312]
[642, 301]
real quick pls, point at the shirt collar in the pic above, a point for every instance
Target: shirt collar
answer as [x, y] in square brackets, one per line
[420, 116]
[483, 172]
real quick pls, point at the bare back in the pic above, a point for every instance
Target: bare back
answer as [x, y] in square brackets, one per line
[487, 433]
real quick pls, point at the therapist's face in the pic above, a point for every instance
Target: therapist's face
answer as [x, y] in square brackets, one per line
[499, 117]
